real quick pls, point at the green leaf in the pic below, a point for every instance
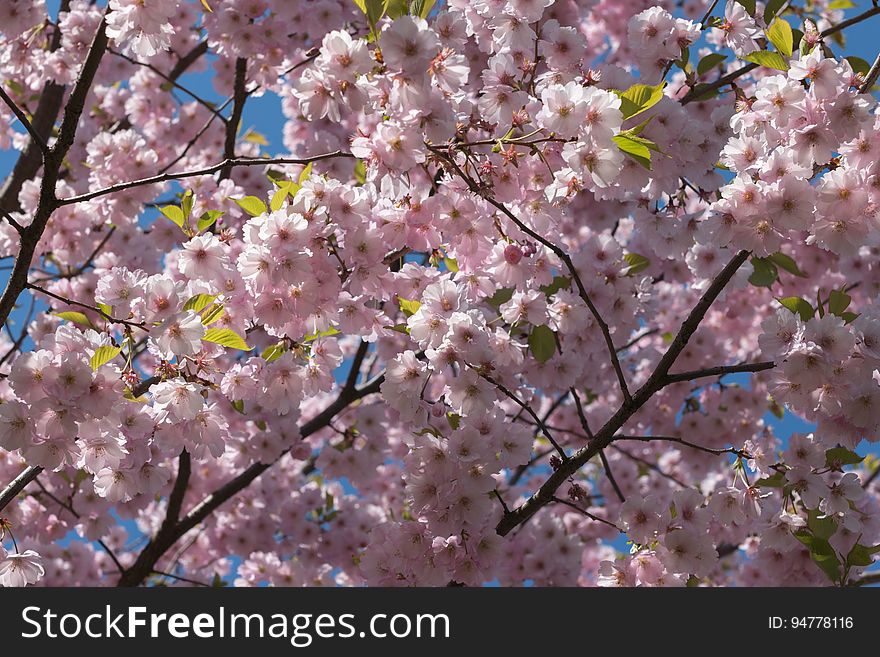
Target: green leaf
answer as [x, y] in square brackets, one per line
[637, 151]
[252, 205]
[848, 317]
[822, 553]
[208, 219]
[227, 338]
[321, 334]
[174, 213]
[306, 173]
[840, 456]
[765, 273]
[210, 11]
[502, 295]
[774, 481]
[454, 420]
[838, 302]
[798, 306]
[212, 314]
[558, 283]
[255, 137]
[841, 4]
[635, 263]
[709, 62]
[104, 308]
[823, 528]
[199, 301]
[274, 352]
[858, 64]
[104, 354]
[859, 555]
[771, 9]
[780, 35]
[408, 307]
[451, 264]
[278, 199]
[787, 263]
[186, 204]
[422, 8]
[238, 405]
[396, 8]
[542, 343]
[749, 6]
[767, 59]
[75, 317]
[776, 408]
[400, 328]
[639, 97]
[360, 172]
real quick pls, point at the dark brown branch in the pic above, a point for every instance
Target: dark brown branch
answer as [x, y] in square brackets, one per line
[79, 304]
[651, 466]
[23, 119]
[47, 202]
[239, 97]
[214, 168]
[606, 434]
[18, 484]
[528, 409]
[610, 475]
[29, 162]
[720, 370]
[160, 543]
[591, 516]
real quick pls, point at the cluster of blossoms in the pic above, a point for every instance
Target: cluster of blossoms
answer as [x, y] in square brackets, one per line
[476, 323]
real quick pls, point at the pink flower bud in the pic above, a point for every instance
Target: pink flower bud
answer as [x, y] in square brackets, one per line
[513, 254]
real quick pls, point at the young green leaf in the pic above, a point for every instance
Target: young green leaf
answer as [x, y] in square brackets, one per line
[227, 338]
[199, 301]
[635, 263]
[838, 302]
[781, 36]
[709, 62]
[542, 343]
[274, 352]
[104, 354]
[837, 457]
[749, 6]
[75, 317]
[639, 98]
[212, 313]
[252, 205]
[186, 204]
[787, 263]
[208, 219]
[278, 199]
[764, 274]
[174, 213]
[408, 307]
[799, 306]
[634, 149]
[771, 9]
[767, 59]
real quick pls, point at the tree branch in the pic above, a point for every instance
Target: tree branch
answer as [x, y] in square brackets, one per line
[214, 168]
[22, 117]
[18, 484]
[163, 540]
[606, 434]
[239, 96]
[720, 370]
